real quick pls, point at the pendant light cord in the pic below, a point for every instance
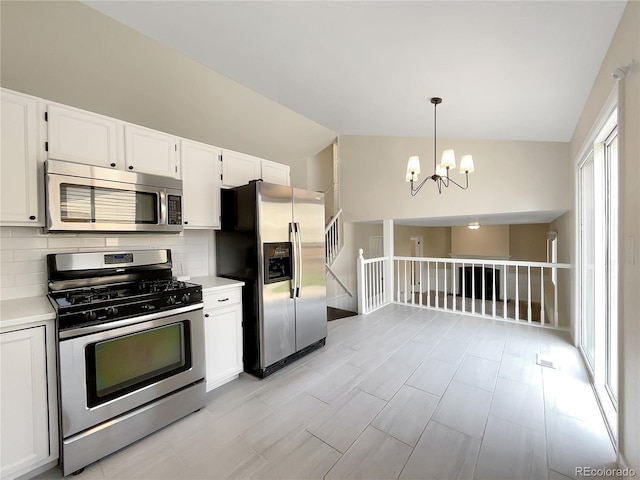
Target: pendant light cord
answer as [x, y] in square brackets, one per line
[435, 138]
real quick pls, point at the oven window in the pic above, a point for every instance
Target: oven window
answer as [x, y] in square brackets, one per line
[124, 364]
[87, 204]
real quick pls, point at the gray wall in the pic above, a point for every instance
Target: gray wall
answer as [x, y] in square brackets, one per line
[69, 53]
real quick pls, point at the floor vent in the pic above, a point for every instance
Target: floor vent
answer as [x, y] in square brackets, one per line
[543, 361]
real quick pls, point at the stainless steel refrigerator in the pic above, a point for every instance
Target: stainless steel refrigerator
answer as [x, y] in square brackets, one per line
[272, 238]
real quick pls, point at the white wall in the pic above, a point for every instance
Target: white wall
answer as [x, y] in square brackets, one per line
[23, 253]
[509, 177]
[624, 48]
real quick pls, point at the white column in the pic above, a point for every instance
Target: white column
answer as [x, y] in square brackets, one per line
[361, 284]
[387, 245]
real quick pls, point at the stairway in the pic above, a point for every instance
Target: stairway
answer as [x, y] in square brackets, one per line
[337, 313]
[334, 243]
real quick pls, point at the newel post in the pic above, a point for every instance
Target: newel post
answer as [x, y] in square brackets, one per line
[361, 285]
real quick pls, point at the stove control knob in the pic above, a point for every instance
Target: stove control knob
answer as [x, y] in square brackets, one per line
[171, 300]
[185, 297]
[112, 311]
[90, 315]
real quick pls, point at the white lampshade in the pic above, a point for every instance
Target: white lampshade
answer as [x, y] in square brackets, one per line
[448, 159]
[413, 165]
[466, 164]
[440, 170]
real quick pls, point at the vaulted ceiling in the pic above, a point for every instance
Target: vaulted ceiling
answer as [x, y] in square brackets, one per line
[512, 70]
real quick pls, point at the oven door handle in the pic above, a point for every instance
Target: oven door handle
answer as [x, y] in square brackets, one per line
[87, 330]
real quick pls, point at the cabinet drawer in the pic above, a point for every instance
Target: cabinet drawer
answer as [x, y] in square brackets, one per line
[222, 298]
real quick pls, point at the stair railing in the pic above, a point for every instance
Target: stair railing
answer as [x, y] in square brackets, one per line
[372, 293]
[333, 238]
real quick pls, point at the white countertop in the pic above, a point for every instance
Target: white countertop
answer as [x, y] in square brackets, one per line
[215, 283]
[20, 312]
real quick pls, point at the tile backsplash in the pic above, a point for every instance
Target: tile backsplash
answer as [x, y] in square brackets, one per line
[23, 252]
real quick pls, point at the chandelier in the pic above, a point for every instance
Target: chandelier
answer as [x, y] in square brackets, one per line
[441, 171]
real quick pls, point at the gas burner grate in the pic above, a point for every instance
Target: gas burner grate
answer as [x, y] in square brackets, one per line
[154, 286]
[89, 296]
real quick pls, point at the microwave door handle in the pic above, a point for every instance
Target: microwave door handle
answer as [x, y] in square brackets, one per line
[163, 208]
[294, 278]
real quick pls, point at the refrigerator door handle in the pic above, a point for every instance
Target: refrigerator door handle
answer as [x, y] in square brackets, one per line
[294, 278]
[298, 255]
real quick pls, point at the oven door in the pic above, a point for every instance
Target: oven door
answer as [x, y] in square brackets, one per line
[109, 372]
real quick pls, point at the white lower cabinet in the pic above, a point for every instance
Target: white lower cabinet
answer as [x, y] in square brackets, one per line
[28, 411]
[223, 335]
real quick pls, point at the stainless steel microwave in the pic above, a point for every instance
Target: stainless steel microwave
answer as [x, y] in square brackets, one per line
[85, 198]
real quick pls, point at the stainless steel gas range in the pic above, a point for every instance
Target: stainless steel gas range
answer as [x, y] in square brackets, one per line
[130, 349]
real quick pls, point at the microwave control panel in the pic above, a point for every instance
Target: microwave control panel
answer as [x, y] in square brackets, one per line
[174, 210]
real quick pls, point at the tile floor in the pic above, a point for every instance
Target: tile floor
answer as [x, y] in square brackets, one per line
[401, 393]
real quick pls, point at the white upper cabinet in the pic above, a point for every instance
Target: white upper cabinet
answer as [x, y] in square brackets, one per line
[239, 168]
[273, 172]
[84, 137]
[21, 156]
[201, 184]
[150, 151]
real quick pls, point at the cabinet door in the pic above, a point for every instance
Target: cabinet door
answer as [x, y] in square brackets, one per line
[20, 158]
[84, 137]
[273, 172]
[24, 410]
[150, 151]
[223, 345]
[201, 184]
[238, 168]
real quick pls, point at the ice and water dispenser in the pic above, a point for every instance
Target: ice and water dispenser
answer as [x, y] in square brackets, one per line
[277, 262]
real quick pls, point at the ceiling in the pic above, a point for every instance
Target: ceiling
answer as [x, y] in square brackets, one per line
[511, 70]
[507, 70]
